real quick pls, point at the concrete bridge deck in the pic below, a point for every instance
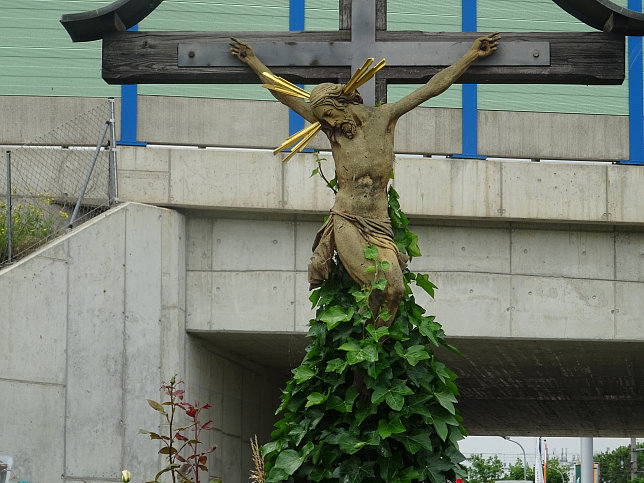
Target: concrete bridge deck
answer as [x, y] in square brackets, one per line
[540, 269]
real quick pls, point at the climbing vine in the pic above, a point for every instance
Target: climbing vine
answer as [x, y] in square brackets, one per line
[366, 404]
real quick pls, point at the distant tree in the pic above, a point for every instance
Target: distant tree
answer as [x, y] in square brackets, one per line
[557, 470]
[482, 470]
[515, 471]
[615, 466]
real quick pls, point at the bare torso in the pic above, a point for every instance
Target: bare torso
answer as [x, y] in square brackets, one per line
[364, 163]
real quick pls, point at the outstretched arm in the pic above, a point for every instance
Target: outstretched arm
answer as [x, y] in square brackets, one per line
[244, 52]
[482, 47]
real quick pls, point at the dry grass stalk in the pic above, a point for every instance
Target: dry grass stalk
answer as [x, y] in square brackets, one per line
[258, 475]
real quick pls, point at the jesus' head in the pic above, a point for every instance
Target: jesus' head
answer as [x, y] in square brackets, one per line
[329, 103]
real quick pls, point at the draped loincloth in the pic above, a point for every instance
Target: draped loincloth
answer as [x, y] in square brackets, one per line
[372, 231]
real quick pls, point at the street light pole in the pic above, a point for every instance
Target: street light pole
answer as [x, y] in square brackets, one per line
[525, 466]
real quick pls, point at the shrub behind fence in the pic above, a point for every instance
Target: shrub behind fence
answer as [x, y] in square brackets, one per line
[57, 181]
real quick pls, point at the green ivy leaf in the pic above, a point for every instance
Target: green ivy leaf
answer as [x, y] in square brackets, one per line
[303, 373]
[395, 401]
[316, 398]
[435, 468]
[288, 461]
[379, 285]
[336, 314]
[387, 428]
[422, 280]
[350, 443]
[371, 252]
[429, 328]
[277, 474]
[272, 446]
[379, 333]
[362, 412]
[314, 297]
[447, 400]
[351, 345]
[354, 470]
[298, 432]
[360, 295]
[366, 352]
[415, 354]
[384, 265]
[410, 474]
[394, 396]
[422, 438]
[343, 405]
[410, 445]
[336, 365]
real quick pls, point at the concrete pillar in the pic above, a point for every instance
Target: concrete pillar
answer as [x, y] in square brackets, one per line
[587, 460]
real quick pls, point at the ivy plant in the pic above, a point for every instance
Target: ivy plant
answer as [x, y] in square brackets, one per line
[366, 404]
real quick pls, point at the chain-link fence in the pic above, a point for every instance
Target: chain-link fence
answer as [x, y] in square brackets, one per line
[57, 181]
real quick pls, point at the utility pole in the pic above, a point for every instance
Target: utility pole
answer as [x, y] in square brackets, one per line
[525, 466]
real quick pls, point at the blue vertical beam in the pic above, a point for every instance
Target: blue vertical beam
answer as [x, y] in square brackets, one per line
[296, 22]
[129, 113]
[635, 95]
[469, 93]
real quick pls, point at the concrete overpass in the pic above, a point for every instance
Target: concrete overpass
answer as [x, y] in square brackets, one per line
[540, 269]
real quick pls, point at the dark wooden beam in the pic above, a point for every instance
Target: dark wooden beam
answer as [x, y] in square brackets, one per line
[152, 58]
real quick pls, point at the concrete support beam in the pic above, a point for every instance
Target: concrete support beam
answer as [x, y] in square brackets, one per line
[495, 279]
[430, 187]
[244, 124]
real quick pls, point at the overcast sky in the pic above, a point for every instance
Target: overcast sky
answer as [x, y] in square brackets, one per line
[508, 452]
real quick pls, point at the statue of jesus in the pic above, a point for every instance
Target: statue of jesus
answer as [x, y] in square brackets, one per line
[362, 143]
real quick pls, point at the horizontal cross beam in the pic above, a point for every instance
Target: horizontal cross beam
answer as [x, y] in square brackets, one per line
[334, 54]
[154, 58]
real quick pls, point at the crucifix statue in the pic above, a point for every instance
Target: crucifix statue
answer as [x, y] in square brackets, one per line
[362, 143]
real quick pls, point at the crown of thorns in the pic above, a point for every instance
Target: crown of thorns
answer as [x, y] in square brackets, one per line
[299, 140]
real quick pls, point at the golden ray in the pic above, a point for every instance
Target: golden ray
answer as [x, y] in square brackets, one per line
[305, 140]
[356, 75]
[369, 74]
[294, 90]
[283, 90]
[297, 136]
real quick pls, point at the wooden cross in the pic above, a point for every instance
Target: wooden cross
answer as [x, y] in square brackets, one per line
[330, 56]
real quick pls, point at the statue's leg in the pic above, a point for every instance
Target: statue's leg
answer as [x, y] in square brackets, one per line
[350, 244]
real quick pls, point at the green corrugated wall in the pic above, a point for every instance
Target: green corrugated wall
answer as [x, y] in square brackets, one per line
[37, 57]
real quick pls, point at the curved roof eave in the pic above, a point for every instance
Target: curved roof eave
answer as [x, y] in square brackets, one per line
[117, 16]
[605, 15]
